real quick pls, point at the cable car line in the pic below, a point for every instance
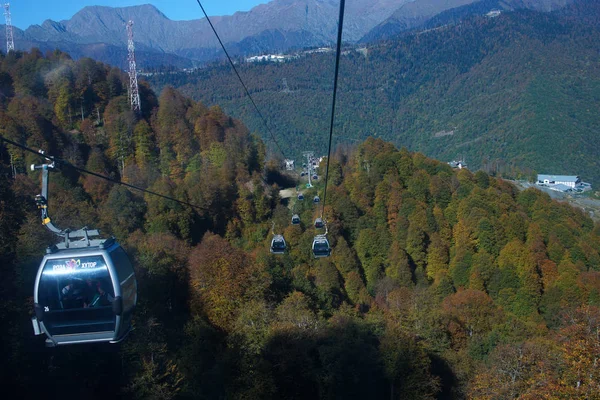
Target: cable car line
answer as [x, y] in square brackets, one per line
[240, 78]
[335, 84]
[63, 162]
[321, 246]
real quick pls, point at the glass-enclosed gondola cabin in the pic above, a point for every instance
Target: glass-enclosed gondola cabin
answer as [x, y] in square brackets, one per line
[300, 196]
[319, 224]
[315, 177]
[295, 219]
[321, 246]
[316, 199]
[84, 292]
[278, 244]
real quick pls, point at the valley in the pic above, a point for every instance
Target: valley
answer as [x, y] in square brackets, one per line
[509, 87]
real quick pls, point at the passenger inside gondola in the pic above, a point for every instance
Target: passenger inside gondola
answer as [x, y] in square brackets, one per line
[72, 283]
[73, 294]
[102, 297]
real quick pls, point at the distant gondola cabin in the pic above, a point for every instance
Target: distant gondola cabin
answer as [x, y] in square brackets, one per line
[278, 245]
[321, 247]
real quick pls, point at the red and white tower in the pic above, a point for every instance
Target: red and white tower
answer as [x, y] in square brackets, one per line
[10, 42]
[134, 95]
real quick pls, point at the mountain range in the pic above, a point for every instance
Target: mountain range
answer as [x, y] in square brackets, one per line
[518, 89]
[277, 26]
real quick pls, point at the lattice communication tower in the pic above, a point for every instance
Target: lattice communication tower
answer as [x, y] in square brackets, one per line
[10, 42]
[134, 95]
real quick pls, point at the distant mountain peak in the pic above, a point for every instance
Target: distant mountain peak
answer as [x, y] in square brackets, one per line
[53, 25]
[148, 8]
[145, 12]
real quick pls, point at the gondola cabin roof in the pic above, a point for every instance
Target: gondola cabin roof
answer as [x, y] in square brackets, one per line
[320, 239]
[80, 246]
[278, 239]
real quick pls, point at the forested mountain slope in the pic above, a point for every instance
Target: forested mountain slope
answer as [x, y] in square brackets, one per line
[441, 283]
[412, 15]
[431, 12]
[516, 90]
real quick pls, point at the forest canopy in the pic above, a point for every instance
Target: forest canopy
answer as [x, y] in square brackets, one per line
[441, 283]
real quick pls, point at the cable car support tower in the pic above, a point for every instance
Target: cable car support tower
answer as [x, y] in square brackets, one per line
[309, 160]
[10, 42]
[134, 95]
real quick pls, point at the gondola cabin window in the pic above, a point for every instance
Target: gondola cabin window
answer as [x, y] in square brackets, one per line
[77, 293]
[126, 276]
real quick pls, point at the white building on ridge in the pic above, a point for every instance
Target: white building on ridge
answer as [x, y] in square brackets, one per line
[567, 180]
[458, 164]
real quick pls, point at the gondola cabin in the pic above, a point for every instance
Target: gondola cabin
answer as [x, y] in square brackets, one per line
[316, 199]
[278, 245]
[295, 219]
[315, 177]
[300, 196]
[320, 246]
[84, 292]
[319, 224]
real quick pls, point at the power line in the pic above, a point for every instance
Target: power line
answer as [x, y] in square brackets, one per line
[241, 81]
[62, 162]
[335, 83]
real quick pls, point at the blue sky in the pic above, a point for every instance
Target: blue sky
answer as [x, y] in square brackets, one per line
[29, 12]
